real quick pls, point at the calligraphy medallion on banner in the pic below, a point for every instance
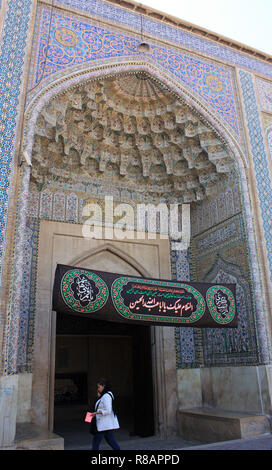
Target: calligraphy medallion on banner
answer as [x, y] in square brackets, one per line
[83, 291]
[221, 304]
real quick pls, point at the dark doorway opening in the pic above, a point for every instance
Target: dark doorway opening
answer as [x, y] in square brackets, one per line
[87, 350]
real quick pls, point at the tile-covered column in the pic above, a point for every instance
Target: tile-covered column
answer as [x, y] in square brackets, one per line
[269, 141]
[13, 324]
[263, 197]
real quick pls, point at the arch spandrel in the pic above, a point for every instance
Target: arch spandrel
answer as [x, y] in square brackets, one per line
[74, 43]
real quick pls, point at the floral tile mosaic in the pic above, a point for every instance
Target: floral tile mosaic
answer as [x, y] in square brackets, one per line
[159, 29]
[73, 41]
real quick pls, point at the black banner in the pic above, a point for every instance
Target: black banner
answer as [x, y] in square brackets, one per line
[121, 298]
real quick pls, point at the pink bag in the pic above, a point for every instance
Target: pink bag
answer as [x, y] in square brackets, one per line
[88, 417]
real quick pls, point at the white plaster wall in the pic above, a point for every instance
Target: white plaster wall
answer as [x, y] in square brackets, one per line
[189, 388]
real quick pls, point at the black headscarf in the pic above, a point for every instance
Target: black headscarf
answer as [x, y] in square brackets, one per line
[107, 388]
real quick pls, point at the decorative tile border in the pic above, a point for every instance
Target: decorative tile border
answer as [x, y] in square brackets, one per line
[28, 298]
[269, 141]
[160, 29]
[17, 275]
[12, 54]
[264, 183]
[188, 341]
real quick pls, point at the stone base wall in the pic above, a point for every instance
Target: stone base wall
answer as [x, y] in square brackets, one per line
[241, 389]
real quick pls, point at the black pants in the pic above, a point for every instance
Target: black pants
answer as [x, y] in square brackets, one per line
[108, 435]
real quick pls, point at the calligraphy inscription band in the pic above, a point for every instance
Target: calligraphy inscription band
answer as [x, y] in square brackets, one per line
[180, 303]
[83, 291]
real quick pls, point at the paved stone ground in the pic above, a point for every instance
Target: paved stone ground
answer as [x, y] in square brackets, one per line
[78, 438]
[263, 442]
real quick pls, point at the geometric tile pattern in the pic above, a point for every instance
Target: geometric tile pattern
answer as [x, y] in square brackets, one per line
[238, 346]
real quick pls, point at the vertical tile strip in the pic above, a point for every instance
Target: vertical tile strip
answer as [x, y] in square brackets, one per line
[264, 183]
[12, 67]
[12, 62]
[264, 188]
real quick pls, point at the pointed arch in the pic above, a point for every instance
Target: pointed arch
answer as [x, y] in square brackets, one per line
[109, 248]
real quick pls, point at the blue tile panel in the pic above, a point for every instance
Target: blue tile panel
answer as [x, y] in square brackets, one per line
[73, 42]
[14, 36]
[263, 180]
[166, 32]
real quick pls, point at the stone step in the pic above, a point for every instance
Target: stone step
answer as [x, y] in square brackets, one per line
[32, 437]
[213, 425]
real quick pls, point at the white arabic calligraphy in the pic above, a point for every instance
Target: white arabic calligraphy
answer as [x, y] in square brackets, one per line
[221, 304]
[151, 303]
[84, 289]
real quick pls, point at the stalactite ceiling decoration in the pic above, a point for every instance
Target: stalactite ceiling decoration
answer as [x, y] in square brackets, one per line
[131, 130]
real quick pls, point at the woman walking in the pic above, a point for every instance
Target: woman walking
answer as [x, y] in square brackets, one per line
[106, 419]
